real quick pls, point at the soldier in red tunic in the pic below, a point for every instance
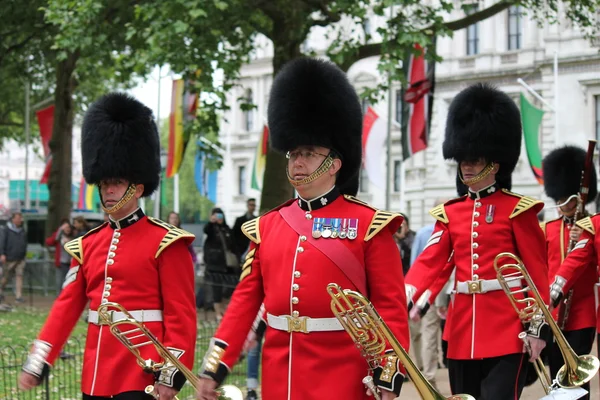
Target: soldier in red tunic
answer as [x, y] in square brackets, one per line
[323, 236]
[562, 178]
[486, 357]
[137, 261]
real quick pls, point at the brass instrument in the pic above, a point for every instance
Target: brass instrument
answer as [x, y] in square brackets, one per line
[369, 332]
[140, 336]
[577, 369]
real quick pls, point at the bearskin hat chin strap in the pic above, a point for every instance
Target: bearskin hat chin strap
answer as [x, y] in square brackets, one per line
[477, 178]
[324, 167]
[129, 194]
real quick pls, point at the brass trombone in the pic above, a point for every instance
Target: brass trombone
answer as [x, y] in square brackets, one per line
[140, 336]
[369, 332]
[577, 370]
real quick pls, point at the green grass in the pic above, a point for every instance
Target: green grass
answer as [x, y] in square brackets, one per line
[20, 327]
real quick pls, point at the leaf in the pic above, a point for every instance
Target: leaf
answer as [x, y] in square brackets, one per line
[197, 13]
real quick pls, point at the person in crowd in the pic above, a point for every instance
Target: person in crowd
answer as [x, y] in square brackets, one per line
[220, 260]
[240, 240]
[13, 249]
[62, 259]
[80, 225]
[404, 238]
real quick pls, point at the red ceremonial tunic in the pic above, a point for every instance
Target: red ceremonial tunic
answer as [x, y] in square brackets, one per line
[477, 229]
[144, 266]
[582, 313]
[290, 276]
[579, 269]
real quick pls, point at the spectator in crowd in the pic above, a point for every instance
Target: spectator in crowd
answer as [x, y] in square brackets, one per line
[429, 325]
[240, 240]
[219, 258]
[175, 220]
[81, 226]
[13, 248]
[62, 259]
[404, 238]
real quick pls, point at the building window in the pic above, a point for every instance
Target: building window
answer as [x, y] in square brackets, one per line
[597, 100]
[514, 28]
[249, 113]
[397, 175]
[472, 34]
[399, 106]
[242, 179]
[363, 185]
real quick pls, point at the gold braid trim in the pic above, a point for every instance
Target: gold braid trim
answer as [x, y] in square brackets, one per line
[247, 266]
[477, 178]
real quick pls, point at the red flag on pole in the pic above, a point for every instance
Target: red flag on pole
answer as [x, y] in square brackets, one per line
[45, 119]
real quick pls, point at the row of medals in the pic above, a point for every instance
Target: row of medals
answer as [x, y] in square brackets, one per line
[339, 227]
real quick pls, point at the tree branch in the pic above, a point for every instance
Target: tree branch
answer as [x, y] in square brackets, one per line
[479, 15]
[374, 49]
[8, 123]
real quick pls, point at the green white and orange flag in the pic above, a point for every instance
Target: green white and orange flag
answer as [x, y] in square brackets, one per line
[531, 117]
[260, 159]
[183, 107]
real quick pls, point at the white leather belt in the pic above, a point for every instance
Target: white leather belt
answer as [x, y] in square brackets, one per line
[138, 315]
[483, 286]
[303, 324]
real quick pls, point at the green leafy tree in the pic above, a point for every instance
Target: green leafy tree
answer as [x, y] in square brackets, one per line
[213, 36]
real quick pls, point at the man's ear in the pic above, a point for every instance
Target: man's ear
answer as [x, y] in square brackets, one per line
[139, 190]
[335, 167]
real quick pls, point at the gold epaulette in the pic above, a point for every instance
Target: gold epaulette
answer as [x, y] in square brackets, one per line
[357, 201]
[379, 221]
[524, 204]
[250, 230]
[439, 212]
[75, 246]
[173, 234]
[586, 224]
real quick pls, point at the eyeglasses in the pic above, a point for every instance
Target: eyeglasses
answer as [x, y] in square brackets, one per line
[306, 155]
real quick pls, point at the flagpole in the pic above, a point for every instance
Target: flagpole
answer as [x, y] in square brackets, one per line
[176, 193]
[27, 134]
[556, 134]
[389, 134]
[157, 194]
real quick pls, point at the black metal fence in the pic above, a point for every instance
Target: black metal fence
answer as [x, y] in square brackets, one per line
[65, 378]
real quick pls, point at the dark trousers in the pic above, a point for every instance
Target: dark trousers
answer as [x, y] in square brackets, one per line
[581, 341]
[121, 396]
[496, 378]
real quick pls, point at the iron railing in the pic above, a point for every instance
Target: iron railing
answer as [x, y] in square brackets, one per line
[64, 380]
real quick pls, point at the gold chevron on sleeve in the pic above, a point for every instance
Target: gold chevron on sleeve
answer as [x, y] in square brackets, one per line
[524, 204]
[250, 230]
[379, 221]
[586, 224]
[247, 266]
[439, 213]
[173, 234]
[75, 249]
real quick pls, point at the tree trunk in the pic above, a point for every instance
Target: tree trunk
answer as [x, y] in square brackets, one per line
[276, 188]
[59, 182]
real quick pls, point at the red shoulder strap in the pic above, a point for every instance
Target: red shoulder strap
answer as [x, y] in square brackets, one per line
[335, 250]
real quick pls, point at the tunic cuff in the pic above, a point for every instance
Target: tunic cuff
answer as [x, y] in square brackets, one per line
[36, 363]
[212, 366]
[388, 376]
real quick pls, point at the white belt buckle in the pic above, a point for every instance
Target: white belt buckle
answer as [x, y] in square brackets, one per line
[297, 324]
[475, 287]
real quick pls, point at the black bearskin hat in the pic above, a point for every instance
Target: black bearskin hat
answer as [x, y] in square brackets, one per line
[483, 122]
[119, 139]
[313, 103]
[562, 173]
